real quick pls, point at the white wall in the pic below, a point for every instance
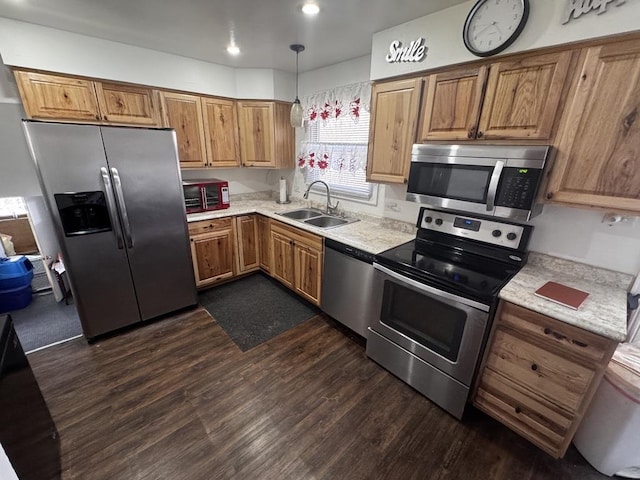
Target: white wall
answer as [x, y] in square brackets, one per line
[241, 180]
[33, 46]
[443, 33]
[6, 469]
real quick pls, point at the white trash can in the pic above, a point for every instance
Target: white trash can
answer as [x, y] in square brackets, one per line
[609, 435]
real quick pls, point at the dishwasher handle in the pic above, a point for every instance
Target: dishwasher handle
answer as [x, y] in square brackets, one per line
[350, 251]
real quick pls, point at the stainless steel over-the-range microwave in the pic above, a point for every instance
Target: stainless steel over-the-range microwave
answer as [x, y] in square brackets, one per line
[493, 180]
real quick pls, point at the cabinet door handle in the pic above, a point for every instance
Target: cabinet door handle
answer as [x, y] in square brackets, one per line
[471, 133]
[518, 410]
[549, 195]
[480, 134]
[534, 367]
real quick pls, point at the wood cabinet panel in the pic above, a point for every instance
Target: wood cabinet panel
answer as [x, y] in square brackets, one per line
[544, 373]
[257, 133]
[127, 104]
[50, 97]
[183, 113]
[521, 412]
[451, 105]
[598, 160]
[297, 260]
[248, 248]
[282, 259]
[394, 113]
[308, 272]
[538, 375]
[221, 132]
[213, 256]
[522, 97]
[569, 341]
[208, 226]
[264, 235]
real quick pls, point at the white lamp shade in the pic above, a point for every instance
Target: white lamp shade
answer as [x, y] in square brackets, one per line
[296, 116]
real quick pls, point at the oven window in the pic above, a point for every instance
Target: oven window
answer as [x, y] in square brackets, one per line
[433, 324]
[211, 193]
[458, 182]
[191, 196]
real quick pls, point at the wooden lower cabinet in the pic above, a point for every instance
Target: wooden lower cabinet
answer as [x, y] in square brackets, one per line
[297, 260]
[213, 250]
[248, 244]
[264, 241]
[538, 375]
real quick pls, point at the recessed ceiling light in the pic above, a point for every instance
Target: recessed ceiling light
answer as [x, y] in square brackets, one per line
[233, 50]
[310, 9]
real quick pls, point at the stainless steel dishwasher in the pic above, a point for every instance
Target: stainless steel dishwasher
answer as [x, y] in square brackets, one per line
[347, 285]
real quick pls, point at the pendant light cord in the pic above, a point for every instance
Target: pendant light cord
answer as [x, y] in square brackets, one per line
[297, 54]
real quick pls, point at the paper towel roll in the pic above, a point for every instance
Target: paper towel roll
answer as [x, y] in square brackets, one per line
[283, 190]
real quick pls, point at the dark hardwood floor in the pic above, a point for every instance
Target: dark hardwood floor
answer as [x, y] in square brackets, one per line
[177, 400]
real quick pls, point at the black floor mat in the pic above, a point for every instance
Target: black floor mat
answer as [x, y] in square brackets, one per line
[255, 309]
[45, 321]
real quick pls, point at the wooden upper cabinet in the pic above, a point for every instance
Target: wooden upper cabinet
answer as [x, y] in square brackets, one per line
[266, 136]
[394, 114]
[451, 104]
[183, 113]
[127, 104]
[221, 132]
[598, 159]
[54, 97]
[49, 97]
[523, 96]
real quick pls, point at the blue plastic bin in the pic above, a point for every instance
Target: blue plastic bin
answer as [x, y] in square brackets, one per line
[15, 298]
[15, 271]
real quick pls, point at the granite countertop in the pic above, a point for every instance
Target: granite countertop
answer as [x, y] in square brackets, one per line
[604, 311]
[371, 234]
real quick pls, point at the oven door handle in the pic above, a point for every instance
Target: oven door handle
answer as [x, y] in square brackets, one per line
[493, 185]
[431, 290]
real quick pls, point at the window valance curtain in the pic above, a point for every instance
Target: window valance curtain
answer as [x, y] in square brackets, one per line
[337, 157]
[338, 102]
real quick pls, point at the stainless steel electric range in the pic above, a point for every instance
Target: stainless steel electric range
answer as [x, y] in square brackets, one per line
[436, 296]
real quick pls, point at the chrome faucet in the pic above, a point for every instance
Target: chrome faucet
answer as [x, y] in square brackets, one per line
[330, 208]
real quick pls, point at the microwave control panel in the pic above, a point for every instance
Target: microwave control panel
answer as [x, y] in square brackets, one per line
[518, 187]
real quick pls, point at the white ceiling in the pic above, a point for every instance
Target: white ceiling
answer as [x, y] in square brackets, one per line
[263, 29]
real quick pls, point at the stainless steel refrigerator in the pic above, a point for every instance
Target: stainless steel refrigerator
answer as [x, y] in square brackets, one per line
[115, 196]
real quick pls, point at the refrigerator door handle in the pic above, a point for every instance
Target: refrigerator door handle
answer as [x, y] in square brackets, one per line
[122, 206]
[111, 207]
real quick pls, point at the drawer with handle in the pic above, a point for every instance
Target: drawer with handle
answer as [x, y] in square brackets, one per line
[206, 226]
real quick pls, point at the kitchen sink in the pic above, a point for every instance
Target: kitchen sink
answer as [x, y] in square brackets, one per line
[326, 221]
[315, 217]
[302, 213]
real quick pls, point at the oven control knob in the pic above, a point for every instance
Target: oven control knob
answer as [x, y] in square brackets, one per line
[511, 236]
[496, 233]
[438, 221]
[428, 220]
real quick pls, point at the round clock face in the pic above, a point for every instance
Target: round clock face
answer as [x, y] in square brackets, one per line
[493, 25]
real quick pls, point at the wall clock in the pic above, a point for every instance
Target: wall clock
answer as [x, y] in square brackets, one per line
[493, 25]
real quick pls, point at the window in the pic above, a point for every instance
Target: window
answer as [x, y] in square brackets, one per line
[335, 150]
[12, 207]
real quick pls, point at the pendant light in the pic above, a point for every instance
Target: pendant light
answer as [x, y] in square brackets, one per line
[296, 116]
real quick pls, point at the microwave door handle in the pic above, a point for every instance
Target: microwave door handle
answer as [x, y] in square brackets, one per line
[111, 207]
[493, 185]
[122, 207]
[203, 197]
